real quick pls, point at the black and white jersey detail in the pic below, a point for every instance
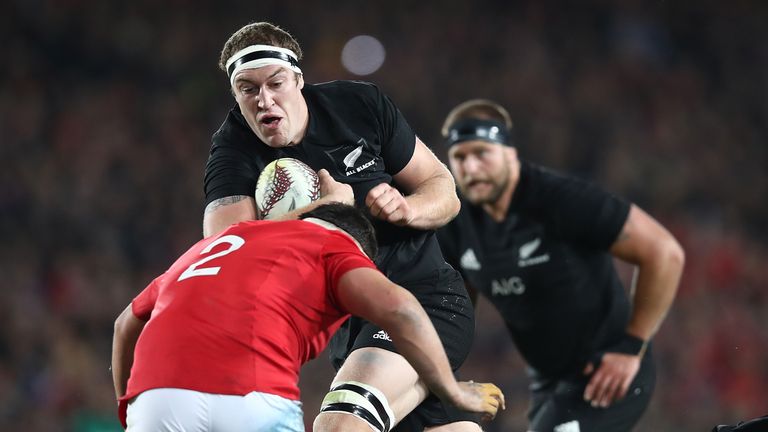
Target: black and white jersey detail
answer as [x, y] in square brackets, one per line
[546, 267]
[358, 135]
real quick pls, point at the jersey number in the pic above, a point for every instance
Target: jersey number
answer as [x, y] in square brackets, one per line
[235, 243]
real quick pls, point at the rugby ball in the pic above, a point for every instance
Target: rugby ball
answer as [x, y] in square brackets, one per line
[286, 184]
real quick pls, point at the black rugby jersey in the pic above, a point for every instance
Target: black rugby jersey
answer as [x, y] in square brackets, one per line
[359, 136]
[547, 267]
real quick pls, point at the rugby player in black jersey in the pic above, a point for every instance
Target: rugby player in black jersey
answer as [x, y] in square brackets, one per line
[540, 246]
[365, 153]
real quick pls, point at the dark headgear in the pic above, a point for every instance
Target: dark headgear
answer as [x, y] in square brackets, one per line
[475, 129]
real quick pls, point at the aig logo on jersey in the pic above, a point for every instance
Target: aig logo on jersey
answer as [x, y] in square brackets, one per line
[505, 287]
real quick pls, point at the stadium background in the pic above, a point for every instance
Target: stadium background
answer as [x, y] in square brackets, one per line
[106, 112]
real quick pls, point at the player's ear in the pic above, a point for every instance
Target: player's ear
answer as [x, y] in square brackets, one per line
[300, 81]
[511, 152]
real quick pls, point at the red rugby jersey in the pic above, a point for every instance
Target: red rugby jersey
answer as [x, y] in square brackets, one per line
[243, 310]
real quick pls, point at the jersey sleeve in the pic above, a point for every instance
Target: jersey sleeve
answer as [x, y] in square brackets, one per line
[342, 255]
[144, 303]
[584, 212]
[229, 170]
[398, 141]
[447, 238]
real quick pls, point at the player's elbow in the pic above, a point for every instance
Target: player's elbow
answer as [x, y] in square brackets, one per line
[671, 252]
[453, 202]
[122, 323]
[453, 206]
[127, 326]
[403, 312]
[408, 312]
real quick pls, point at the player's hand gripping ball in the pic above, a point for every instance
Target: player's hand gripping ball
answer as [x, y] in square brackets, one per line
[285, 185]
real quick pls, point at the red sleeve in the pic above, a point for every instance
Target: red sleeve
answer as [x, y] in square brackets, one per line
[142, 305]
[342, 255]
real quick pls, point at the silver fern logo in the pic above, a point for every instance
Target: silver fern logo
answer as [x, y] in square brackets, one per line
[351, 158]
[527, 250]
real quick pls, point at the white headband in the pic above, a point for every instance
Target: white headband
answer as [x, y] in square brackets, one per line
[256, 56]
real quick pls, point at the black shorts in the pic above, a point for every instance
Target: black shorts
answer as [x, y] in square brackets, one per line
[445, 299]
[560, 402]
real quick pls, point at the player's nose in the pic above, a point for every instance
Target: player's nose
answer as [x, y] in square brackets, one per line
[470, 165]
[265, 99]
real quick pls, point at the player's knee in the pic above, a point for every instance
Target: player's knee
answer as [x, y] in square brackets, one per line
[352, 405]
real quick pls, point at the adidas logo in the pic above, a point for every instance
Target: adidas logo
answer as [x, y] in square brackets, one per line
[571, 426]
[469, 261]
[382, 335]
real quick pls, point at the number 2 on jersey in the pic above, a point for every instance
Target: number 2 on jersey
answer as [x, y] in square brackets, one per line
[235, 243]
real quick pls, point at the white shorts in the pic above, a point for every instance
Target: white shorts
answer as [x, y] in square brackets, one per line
[170, 409]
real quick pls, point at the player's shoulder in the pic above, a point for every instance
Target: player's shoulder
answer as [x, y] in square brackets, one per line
[344, 90]
[544, 179]
[287, 228]
[264, 225]
[538, 182]
[233, 130]
[344, 86]
[548, 193]
[298, 233]
[540, 174]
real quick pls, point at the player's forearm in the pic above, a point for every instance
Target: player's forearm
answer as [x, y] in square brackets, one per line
[223, 212]
[366, 293]
[655, 288]
[434, 202]
[127, 331]
[416, 339]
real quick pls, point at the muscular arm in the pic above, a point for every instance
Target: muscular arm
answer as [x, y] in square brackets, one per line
[430, 201]
[367, 293]
[127, 331]
[223, 212]
[659, 259]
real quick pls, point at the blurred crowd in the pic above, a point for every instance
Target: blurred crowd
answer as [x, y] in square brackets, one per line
[106, 113]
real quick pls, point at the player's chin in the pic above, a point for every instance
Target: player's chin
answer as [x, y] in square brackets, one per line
[274, 140]
[477, 193]
[477, 198]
